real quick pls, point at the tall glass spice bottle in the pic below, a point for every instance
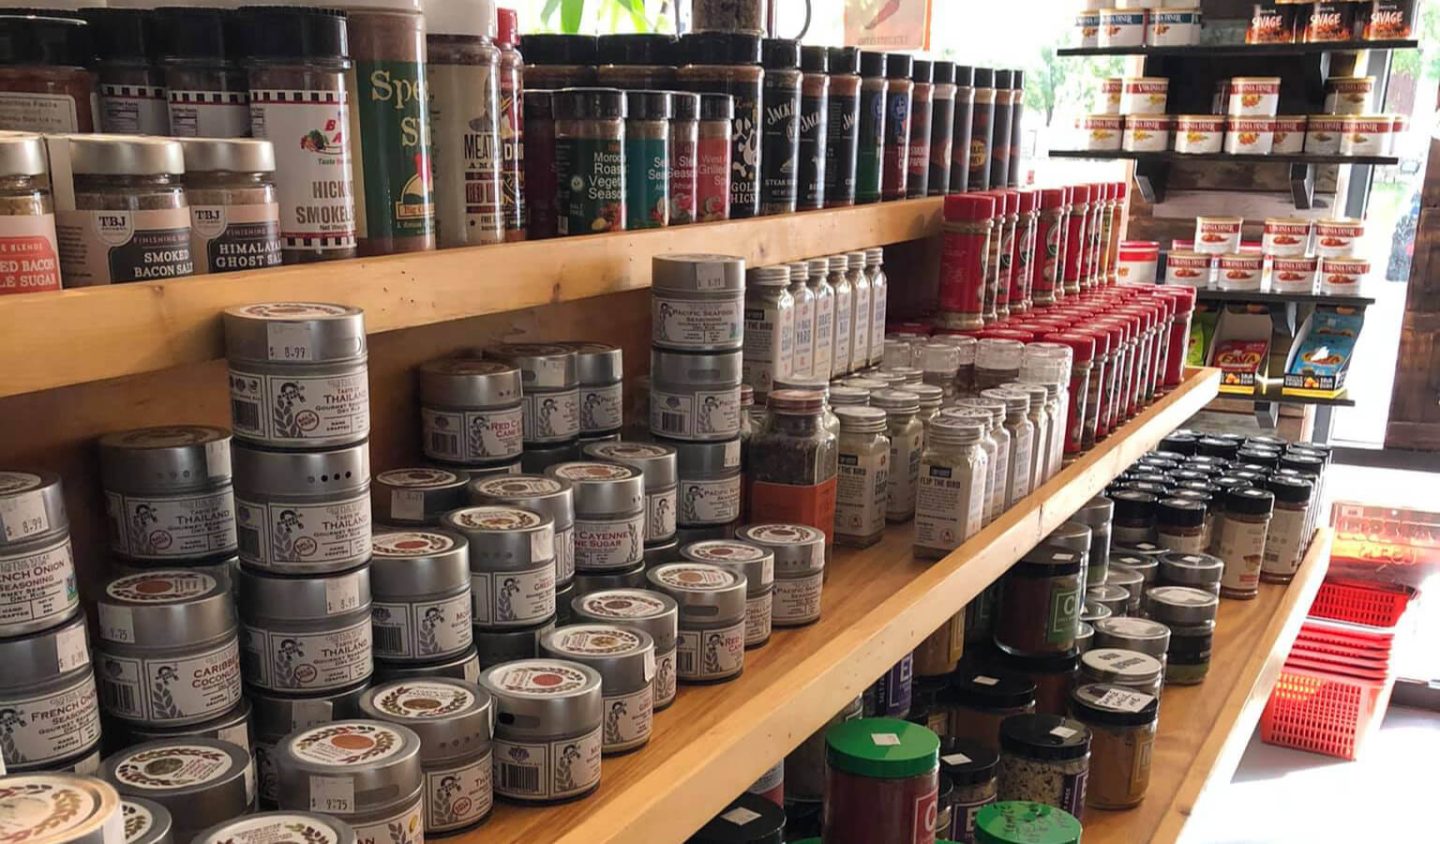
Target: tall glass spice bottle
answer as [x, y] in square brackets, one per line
[822, 361]
[863, 309]
[713, 157]
[863, 469]
[950, 496]
[684, 143]
[390, 127]
[921, 108]
[729, 63]
[879, 300]
[298, 89]
[963, 130]
[803, 360]
[44, 81]
[814, 127]
[780, 135]
[132, 82]
[1014, 176]
[942, 128]
[1244, 525]
[463, 68]
[870, 146]
[541, 176]
[899, 94]
[793, 461]
[647, 159]
[982, 129]
[204, 80]
[907, 434]
[512, 126]
[844, 332]
[769, 329]
[842, 131]
[1000, 131]
[555, 61]
[590, 160]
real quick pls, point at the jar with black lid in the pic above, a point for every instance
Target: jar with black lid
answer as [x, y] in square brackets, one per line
[27, 221]
[1130, 579]
[1287, 538]
[684, 155]
[963, 129]
[780, 133]
[647, 159]
[1243, 529]
[1000, 128]
[729, 63]
[559, 61]
[749, 819]
[813, 127]
[899, 95]
[1190, 615]
[590, 160]
[1180, 525]
[870, 149]
[1134, 517]
[942, 128]
[1040, 601]
[980, 698]
[635, 61]
[1259, 455]
[921, 108]
[970, 768]
[1122, 725]
[43, 57]
[209, 96]
[1197, 571]
[1044, 758]
[842, 130]
[132, 82]
[1052, 673]
[1017, 105]
[982, 129]
[1217, 447]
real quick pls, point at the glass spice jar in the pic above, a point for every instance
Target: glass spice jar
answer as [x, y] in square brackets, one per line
[647, 159]
[794, 463]
[205, 83]
[822, 361]
[899, 94]
[1097, 514]
[1109, 597]
[844, 330]
[802, 365]
[1134, 517]
[554, 61]
[27, 217]
[841, 126]
[1190, 615]
[993, 456]
[906, 433]
[963, 129]
[942, 128]
[1044, 758]
[862, 310]
[132, 82]
[1122, 667]
[941, 364]
[812, 125]
[863, 467]
[1000, 129]
[950, 497]
[769, 329]
[884, 775]
[713, 157]
[43, 75]
[780, 133]
[979, 699]
[997, 361]
[1180, 525]
[1004, 451]
[1022, 440]
[1129, 579]
[729, 63]
[1286, 539]
[234, 211]
[684, 153]
[870, 149]
[643, 61]
[1053, 674]
[970, 767]
[1243, 528]
[879, 296]
[1122, 724]
[921, 110]
[1040, 602]
[590, 160]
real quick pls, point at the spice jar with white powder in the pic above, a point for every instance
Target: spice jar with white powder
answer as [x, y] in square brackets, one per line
[420, 591]
[950, 498]
[305, 634]
[512, 564]
[168, 493]
[548, 729]
[769, 328]
[366, 773]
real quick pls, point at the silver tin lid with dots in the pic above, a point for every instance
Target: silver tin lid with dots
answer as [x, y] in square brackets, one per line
[704, 593]
[262, 473]
[551, 496]
[502, 537]
[408, 564]
[454, 719]
[544, 698]
[32, 504]
[373, 763]
[798, 549]
[495, 647]
[543, 366]
[469, 383]
[602, 489]
[416, 496]
[165, 608]
[165, 460]
[294, 333]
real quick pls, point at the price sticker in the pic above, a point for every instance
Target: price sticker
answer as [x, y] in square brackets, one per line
[289, 341]
[332, 795]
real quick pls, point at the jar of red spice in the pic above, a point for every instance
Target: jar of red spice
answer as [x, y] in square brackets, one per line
[1076, 239]
[1049, 247]
[1040, 601]
[965, 251]
[713, 157]
[1183, 299]
[1024, 267]
[883, 782]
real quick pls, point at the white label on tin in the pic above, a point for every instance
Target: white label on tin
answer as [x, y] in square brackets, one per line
[600, 408]
[1122, 699]
[308, 661]
[71, 649]
[513, 598]
[685, 324]
[628, 718]
[710, 654]
[457, 797]
[465, 437]
[564, 555]
[650, 664]
[1023, 440]
[660, 516]
[740, 816]
[291, 410]
[47, 728]
[21, 515]
[332, 795]
[797, 599]
[167, 691]
[551, 417]
[547, 771]
[955, 759]
[732, 454]
[172, 766]
[701, 415]
[138, 820]
[217, 459]
[407, 505]
[610, 544]
[117, 624]
[304, 534]
[757, 619]
[38, 585]
[985, 681]
[289, 341]
[709, 277]
[1062, 732]
[424, 629]
[664, 682]
[709, 502]
[885, 739]
[342, 594]
[542, 543]
[161, 528]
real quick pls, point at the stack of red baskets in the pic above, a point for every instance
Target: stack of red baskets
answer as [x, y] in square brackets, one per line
[1336, 682]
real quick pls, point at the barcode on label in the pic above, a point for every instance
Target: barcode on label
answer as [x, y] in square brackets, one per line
[672, 423]
[389, 640]
[442, 443]
[684, 662]
[249, 541]
[118, 698]
[245, 414]
[520, 778]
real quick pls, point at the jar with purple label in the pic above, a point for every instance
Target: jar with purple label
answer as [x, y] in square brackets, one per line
[889, 696]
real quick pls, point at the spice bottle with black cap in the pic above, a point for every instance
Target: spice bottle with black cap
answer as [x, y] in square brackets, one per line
[647, 159]
[1017, 104]
[899, 94]
[205, 82]
[1243, 529]
[44, 83]
[636, 61]
[963, 129]
[555, 61]
[780, 144]
[590, 160]
[982, 128]
[942, 128]
[512, 127]
[1286, 539]
[132, 83]
[812, 125]
[1180, 525]
[729, 63]
[921, 109]
[298, 90]
[842, 130]
[1000, 129]
[870, 154]
[713, 157]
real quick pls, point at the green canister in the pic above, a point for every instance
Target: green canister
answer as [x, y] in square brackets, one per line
[1023, 822]
[590, 160]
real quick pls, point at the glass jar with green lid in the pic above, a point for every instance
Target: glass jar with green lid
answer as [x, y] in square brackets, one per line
[1122, 725]
[1024, 822]
[590, 160]
[884, 776]
[979, 699]
[1190, 615]
[1044, 758]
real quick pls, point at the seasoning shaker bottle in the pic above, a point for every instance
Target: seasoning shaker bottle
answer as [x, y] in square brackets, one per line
[812, 127]
[942, 128]
[899, 93]
[1244, 526]
[553, 61]
[48, 55]
[132, 83]
[918, 148]
[842, 131]
[780, 144]
[950, 498]
[996, 453]
[1286, 540]
[512, 563]
[367, 773]
[714, 157]
[874, 108]
[864, 467]
[862, 310]
[205, 83]
[684, 156]
[542, 704]
[982, 128]
[879, 294]
[590, 161]
[962, 134]
[647, 156]
[200, 781]
[636, 61]
[1180, 525]
[305, 633]
[1001, 129]
[729, 63]
[711, 600]
[27, 224]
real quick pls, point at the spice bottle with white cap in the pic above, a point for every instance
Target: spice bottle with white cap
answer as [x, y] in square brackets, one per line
[548, 729]
[863, 476]
[367, 773]
[512, 563]
[420, 589]
[47, 689]
[37, 564]
[168, 493]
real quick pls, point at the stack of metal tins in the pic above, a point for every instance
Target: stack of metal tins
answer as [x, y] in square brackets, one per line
[49, 712]
[550, 388]
[472, 419]
[698, 331]
[609, 500]
[601, 370]
[657, 463]
[299, 398]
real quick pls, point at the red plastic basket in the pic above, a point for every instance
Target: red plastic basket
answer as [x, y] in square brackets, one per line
[1361, 603]
[1323, 713]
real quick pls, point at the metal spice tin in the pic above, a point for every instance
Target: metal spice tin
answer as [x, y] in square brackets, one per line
[277, 715]
[475, 473]
[232, 726]
[454, 721]
[303, 512]
[367, 773]
[297, 374]
[168, 654]
[709, 488]
[416, 497]
[609, 513]
[697, 302]
[537, 459]
[200, 781]
[601, 369]
[625, 660]
[1199, 571]
[168, 492]
[549, 715]
[49, 710]
[757, 563]
[551, 388]
[31, 506]
[37, 565]
[657, 463]
[499, 645]
[420, 594]
[711, 600]
[463, 666]
[273, 827]
[305, 633]
[512, 563]
[471, 411]
[60, 809]
[1134, 634]
[799, 569]
[146, 822]
[655, 613]
[548, 496]
[563, 596]
[695, 397]
[587, 582]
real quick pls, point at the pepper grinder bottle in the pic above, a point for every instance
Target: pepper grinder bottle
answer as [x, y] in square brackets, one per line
[842, 135]
[1000, 130]
[1014, 177]
[870, 150]
[982, 128]
[813, 127]
[780, 135]
[964, 126]
[899, 92]
[512, 127]
[942, 128]
[918, 160]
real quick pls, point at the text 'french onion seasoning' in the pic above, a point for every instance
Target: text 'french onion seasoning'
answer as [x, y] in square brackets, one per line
[37, 564]
[47, 691]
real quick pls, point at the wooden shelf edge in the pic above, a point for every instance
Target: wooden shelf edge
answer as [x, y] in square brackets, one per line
[77, 336]
[675, 795]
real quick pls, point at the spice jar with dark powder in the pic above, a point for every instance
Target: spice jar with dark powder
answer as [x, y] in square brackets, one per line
[842, 126]
[44, 83]
[780, 147]
[729, 63]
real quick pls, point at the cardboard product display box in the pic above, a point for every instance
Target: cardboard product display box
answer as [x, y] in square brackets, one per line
[1240, 349]
[1320, 357]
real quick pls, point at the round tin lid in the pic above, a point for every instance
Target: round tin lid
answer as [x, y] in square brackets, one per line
[882, 748]
[625, 657]
[59, 809]
[504, 538]
[452, 718]
[31, 505]
[165, 608]
[1129, 633]
[544, 697]
[750, 819]
[1108, 704]
[267, 474]
[495, 647]
[798, 549]
[349, 766]
[697, 461]
[1121, 665]
[550, 496]
[703, 592]
[687, 371]
[655, 461]
[1181, 604]
[278, 715]
[294, 333]
[416, 496]
[1190, 569]
[41, 657]
[264, 597]
[1044, 736]
[284, 827]
[465, 666]
[698, 273]
[408, 564]
[177, 458]
[602, 489]
[170, 771]
[146, 822]
[1073, 535]
[543, 366]
[1023, 822]
[469, 383]
[654, 612]
[756, 562]
[597, 363]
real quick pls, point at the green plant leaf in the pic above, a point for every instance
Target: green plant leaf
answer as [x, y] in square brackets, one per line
[549, 11]
[636, 8]
[571, 13]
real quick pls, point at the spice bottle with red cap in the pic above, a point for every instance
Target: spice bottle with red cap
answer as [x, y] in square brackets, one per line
[1046, 279]
[1023, 274]
[1076, 239]
[512, 126]
[1004, 279]
[965, 252]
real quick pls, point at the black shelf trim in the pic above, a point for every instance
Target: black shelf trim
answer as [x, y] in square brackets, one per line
[1171, 155]
[1240, 49]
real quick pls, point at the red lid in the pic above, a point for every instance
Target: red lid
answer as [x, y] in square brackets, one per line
[1052, 197]
[1100, 335]
[1082, 344]
[994, 333]
[1139, 246]
[1142, 316]
[1167, 305]
[1112, 329]
[1029, 200]
[1012, 201]
[508, 30]
[1122, 323]
[969, 207]
[1122, 189]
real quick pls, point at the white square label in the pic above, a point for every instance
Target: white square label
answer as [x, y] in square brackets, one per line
[982, 680]
[885, 739]
[740, 816]
[955, 759]
[1062, 732]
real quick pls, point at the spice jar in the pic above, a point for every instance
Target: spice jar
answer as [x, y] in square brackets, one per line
[454, 722]
[794, 463]
[132, 84]
[780, 134]
[48, 691]
[513, 212]
[841, 124]
[234, 207]
[658, 465]
[590, 160]
[899, 96]
[647, 159]
[980, 699]
[964, 261]
[270, 826]
[27, 216]
[757, 564]
[1190, 615]
[625, 660]
[635, 61]
[1180, 525]
[147, 822]
[863, 468]
[43, 72]
[883, 776]
[463, 70]
[684, 156]
[1129, 579]
[729, 63]
[1122, 723]
[1044, 758]
[511, 560]
[1051, 673]
[1286, 539]
[420, 582]
[713, 157]
[1097, 515]
[1135, 514]
[652, 612]
[996, 453]
[1198, 571]
[470, 411]
[770, 312]
[982, 129]
[711, 599]
[950, 498]
[1040, 601]
[997, 361]
[204, 81]
[697, 303]
[917, 148]
[550, 383]
[872, 130]
[709, 483]
[554, 61]
[1020, 467]
[168, 493]
[752, 818]
[302, 512]
[305, 633]
[367, 773]
[298, 89]
[1243, 528]
[200, 781]
[799, 564]
[942, 128]
[906, 434]
[548, 729]
[962, 131]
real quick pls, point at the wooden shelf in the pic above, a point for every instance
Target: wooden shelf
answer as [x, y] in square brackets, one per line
[77, 336]
[1270, 297]
[1204, 729]
[1171, 155]
[879, 604]
[1208, 50]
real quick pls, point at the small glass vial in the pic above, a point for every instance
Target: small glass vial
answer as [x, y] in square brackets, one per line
[590, 160]
[941, 364]
[234, 210]
[950, 495]
[997, 361]
[1243, 529]
[879, 294]
[844, 336]
[907, 435]
[803, 362]
[769, 328]
[822, 362]
[864, 465]
[1022, 440]
[1000, 467]
[862, 310]
[1286, 540]
[1180, 525]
